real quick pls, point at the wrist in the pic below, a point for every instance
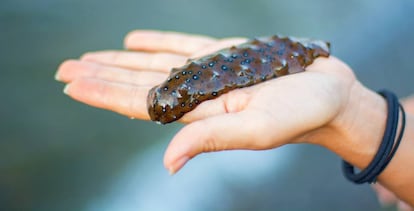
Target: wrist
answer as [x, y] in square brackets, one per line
[359, 127]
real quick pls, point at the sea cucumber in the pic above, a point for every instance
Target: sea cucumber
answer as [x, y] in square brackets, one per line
[255, 61]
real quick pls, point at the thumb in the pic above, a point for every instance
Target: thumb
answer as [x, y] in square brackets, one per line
[242, 130]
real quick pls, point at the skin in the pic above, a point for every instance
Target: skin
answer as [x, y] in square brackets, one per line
[326, 105]
[385, 196]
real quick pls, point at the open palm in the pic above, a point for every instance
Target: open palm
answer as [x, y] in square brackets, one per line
[267, 115]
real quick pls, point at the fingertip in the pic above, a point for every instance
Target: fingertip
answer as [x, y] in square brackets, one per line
[214, 134]
[135, 38]
[127, 39]
[184, 146]
[131, 36]
[67, 64]
[105, 56]
[64, 70]
[88, 56]
[198, 137]
[175, 166]
[184, 140]
[57, 76]
[66, 89]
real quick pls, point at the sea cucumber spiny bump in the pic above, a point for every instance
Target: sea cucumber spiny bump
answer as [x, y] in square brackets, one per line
[253, 62]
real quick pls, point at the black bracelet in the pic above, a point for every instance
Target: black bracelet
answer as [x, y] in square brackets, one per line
[387, 148]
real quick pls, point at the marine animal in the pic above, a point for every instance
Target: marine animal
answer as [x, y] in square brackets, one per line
[206, 78]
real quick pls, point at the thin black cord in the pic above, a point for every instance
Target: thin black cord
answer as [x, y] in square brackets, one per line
[387, 147]
[384, 149]
[398, 141]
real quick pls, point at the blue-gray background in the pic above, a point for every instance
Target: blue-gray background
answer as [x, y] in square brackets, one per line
[58, 154]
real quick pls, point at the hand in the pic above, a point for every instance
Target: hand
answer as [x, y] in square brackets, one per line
[297, 108]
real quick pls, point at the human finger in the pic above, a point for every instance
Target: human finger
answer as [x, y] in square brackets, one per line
[229, 131]
[137, 60]
[73, 69]
[152, 40]
[220, 44]
[126, 99]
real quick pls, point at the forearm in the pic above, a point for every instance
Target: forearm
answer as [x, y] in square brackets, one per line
[408, 103]
[399, 175]
[359, 132]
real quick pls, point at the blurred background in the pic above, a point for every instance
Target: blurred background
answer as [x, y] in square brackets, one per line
[58, 154]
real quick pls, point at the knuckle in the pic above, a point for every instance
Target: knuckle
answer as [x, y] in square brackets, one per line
[210, 142]
[236, 101]
[210, 145]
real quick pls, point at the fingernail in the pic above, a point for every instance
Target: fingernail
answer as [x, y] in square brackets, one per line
[66, 89]
[57, 78]
[178, 165]
[171, 171]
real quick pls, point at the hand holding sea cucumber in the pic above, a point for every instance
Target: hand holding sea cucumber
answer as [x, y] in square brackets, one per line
[263, 116]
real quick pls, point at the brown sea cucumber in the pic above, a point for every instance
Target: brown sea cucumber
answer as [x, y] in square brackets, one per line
[255, 61]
